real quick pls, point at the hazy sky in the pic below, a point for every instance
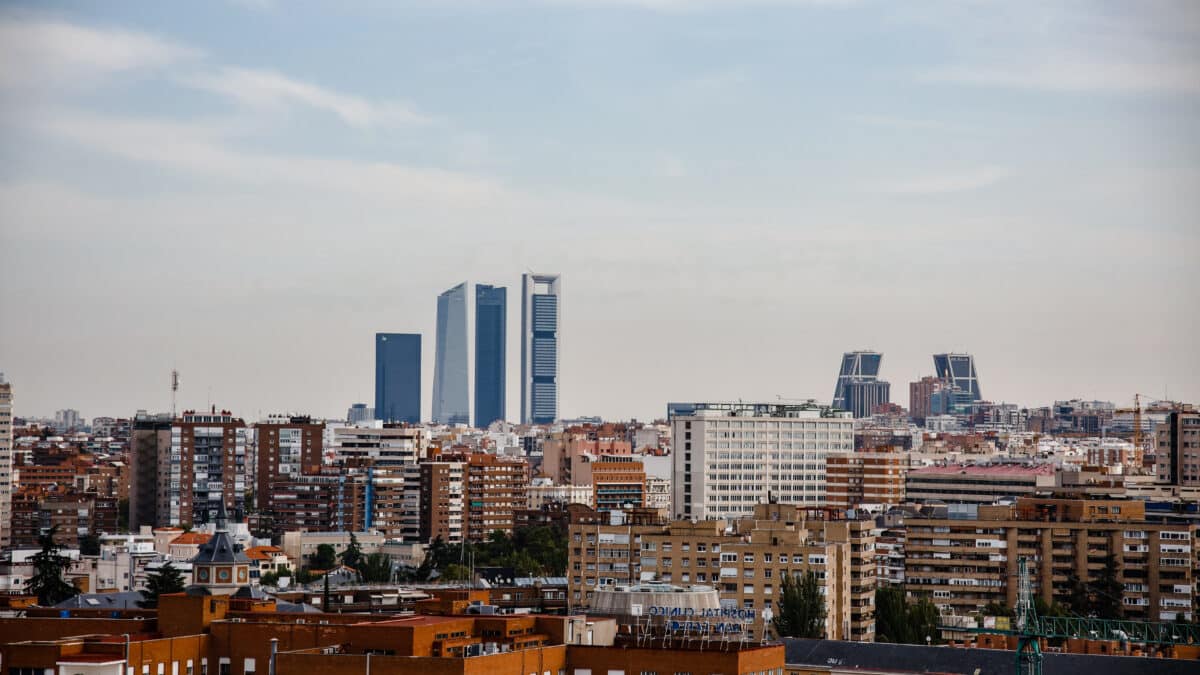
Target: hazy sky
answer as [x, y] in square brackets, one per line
[734, 192]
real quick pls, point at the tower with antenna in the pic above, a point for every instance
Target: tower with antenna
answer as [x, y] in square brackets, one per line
[174, 389]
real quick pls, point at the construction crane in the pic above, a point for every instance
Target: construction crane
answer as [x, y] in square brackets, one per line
[1030, 629]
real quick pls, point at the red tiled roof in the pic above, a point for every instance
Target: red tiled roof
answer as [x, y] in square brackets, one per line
[197, 538]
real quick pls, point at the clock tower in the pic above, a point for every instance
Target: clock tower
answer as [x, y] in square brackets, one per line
[220, 568]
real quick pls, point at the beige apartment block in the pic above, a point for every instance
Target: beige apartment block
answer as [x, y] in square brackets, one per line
[964, 564]
[745, 563]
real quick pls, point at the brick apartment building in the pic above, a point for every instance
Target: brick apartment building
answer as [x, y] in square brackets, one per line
[618, 482]
[853, 478]
[287, 447]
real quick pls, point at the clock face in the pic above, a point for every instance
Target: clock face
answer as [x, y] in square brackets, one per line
[241, 575]
[223, 575]
[202, 573]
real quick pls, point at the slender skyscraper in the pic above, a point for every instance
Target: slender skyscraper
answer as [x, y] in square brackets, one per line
[6, 482]
[451, 385]
[398, 377]
[856, 367]
[959, 371]
[541, 309]
[491, 310]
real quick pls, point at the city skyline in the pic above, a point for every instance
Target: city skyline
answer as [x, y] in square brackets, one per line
[755, 186]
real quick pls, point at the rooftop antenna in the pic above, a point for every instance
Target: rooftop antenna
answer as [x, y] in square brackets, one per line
[174, 389]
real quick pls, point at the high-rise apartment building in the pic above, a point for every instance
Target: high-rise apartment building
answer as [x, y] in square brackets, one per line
[860, 366]
[6, 461]
[746, 566]
[443, 492]
[207, 466]
[150, 468]
[854, 478]
[541, 312]
[398, 377]
[495, 490]
[971, 559]
[919, 393]
[959, 371]
[1177, 448]
[288, 446]
[491, 328]
[451, 387]
[728, 457]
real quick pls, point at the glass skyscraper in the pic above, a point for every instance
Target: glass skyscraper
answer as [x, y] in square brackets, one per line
[491, 312]
[959, 371]
[541, 310]
[856, 367]
[451, 388]
[398, 377]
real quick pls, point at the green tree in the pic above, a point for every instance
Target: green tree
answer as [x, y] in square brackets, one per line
[1108, 592]
[996, 609]
[900, 621]
[924, 618]
[801, 607]
[353, 553]
[89, 544]
[376, 568]
[325, 558]
[165, 579]
[456, 572]
[1079, 600]
[891, 613]
[49, 564]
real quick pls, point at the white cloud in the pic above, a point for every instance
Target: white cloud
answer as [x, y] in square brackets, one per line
[946, 183]
[1073, 73]
[687, 5]
[38, 51]
[266, 89]
[200, 149]
[1135, 48]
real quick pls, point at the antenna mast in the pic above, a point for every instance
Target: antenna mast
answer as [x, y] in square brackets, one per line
[174, 389]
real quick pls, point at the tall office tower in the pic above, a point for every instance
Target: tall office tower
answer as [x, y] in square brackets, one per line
[288, 447]
[451, 388]
[541, 311]
[208, 462]
[398, 377]
[862, 396]
[149, 467]
[491, 312]
[1177, 448]
[730, 456]
[959, 371]
[6, 463]
[856, 366]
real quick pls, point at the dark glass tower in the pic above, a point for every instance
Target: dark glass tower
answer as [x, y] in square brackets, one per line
[491, 310]
[959, 371]
[856, 367]
[398, 377]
